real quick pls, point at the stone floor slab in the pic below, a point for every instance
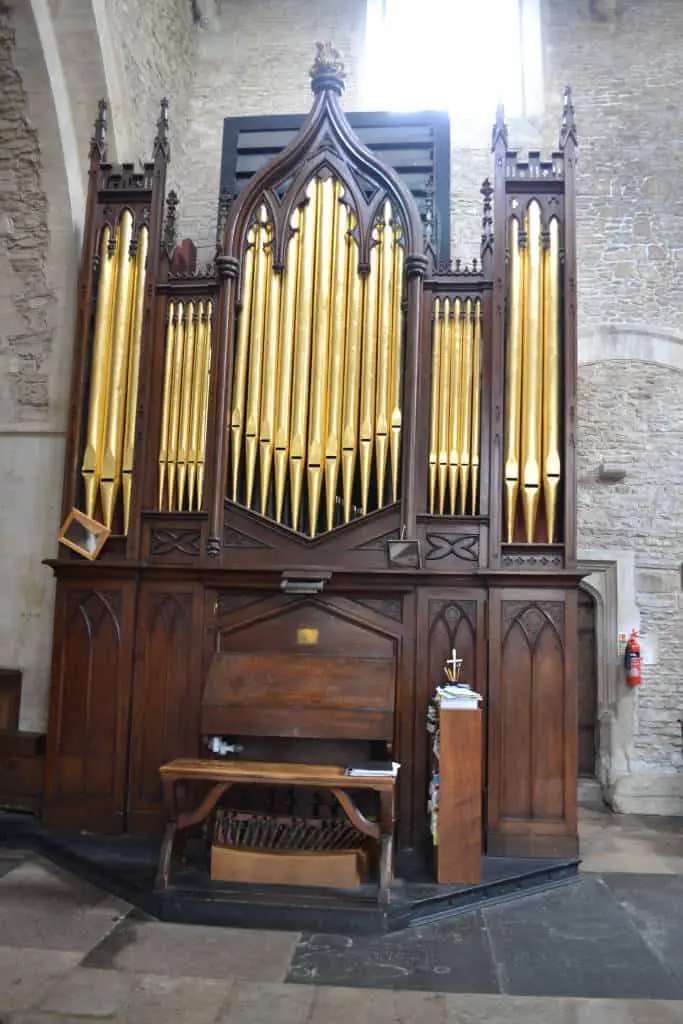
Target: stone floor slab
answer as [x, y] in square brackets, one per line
[43, 907]
[152, 947]
[450, 957]
[577, 942]
[649, 903]
[372, 1006]
[27, 974]
[259, 1002]
[488, 1009]
[88, 993]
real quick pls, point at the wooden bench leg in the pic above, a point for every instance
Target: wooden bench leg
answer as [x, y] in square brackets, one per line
[386, 861]
[165, 854]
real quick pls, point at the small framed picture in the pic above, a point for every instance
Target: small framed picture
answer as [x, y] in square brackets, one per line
[83, 534]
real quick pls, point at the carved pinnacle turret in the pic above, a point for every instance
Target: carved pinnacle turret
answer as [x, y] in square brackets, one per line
[500, 131]
[161, 141]
[98, 142]
[486, 218]
[170, 231]
[568, 129]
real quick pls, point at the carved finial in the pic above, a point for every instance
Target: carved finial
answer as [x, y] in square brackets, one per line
[486, 219]
[225, 201]
[500, 132]
[161, 143]
[327, 71]
[170, 227]
[568, 129]
[98, 143]
[429, 212]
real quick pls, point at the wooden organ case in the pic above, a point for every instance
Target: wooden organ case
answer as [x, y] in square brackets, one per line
[325, 445]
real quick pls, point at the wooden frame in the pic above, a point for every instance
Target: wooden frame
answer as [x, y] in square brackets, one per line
[83, 535]
[157, 604]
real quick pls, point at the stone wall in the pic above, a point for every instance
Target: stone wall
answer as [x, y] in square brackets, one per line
[152, 55]
[253, 59]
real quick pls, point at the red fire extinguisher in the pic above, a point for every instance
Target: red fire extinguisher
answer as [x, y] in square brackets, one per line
[632, 660]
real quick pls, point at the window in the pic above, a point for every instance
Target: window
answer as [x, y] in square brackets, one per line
[463, 56]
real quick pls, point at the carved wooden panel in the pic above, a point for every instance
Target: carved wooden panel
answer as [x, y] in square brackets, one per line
[88, 719]
[532, 710]
[167, 691]
[176, 544]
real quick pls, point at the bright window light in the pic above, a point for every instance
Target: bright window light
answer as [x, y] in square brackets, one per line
[463, 56]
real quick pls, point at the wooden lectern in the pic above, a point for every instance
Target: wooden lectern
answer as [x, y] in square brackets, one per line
[459, 847]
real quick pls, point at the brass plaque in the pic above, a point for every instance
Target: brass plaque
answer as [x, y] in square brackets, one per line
[307, 637]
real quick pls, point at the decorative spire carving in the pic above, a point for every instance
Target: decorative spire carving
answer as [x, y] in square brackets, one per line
[327, 71]
[486, 219]
[568, 129]
[500, 131]
[161, 141]
[170, 225]
[225, 200]
[429, 212]
[98, 142]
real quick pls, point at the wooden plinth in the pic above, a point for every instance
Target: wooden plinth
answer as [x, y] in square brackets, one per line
[458, 853]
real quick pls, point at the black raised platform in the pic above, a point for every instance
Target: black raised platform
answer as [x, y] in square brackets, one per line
[125, 865]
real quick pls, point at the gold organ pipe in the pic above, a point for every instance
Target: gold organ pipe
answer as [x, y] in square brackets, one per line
[204, 419]
[118, 378]
[186, 402]
[465, 406]
[133, 372]
[385, 323]
[193, 449]
[369, 371]
[396, 363]
[286, 348]
[260, 290]
[166, 402]
[269, 385]
[456, 388]
[476, 404]
[513, 381]
[532, 373]
[444, 402]
[99, 370]
[551, 376]
[317, 422]
[437, 328]
[176, 399]
[242, 359]
[335, 386]
[355, 313]
[302, 351]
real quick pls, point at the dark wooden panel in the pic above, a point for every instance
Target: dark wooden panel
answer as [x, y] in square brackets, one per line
[167, 693]
[298, 722]
[301, 680]
[447, 618]
[10, 698]
[87, 748]
[277, 631]
[532, 741]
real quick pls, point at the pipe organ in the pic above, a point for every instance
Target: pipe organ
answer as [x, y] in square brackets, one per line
[325, 443]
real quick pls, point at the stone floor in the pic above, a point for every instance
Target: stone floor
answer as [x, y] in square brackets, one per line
[607, 949]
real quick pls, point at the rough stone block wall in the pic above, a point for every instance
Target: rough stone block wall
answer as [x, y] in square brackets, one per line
[153, 51]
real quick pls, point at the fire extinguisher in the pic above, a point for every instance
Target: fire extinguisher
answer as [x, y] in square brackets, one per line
[632, 660]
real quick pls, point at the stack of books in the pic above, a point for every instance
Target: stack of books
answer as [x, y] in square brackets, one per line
[457, 695]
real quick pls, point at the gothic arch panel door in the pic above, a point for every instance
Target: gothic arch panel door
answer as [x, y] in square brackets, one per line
[448, 617]
[587, 685]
